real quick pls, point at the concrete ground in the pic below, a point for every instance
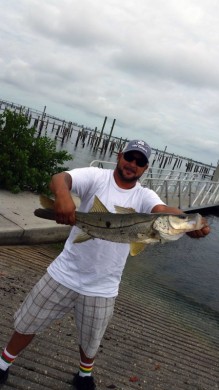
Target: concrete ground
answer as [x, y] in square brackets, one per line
[19, 225]
[157, 340]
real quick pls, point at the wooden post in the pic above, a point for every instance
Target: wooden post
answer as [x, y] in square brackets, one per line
[57, 132]
[160, 166]
[94, 137]
[101, 133]
[111, 131]
[41, 124]
[53, 126]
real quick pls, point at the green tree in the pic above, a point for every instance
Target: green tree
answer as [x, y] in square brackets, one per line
[26, 161]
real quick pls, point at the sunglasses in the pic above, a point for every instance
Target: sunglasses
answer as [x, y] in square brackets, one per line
[140, 161]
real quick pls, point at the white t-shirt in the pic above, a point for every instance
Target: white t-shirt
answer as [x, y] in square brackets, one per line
[95, 267]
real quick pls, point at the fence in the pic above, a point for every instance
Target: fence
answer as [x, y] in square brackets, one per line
[177, 188]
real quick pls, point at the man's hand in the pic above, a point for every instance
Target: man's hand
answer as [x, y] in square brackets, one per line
[200, 233]
[65, 209]
[64, 205]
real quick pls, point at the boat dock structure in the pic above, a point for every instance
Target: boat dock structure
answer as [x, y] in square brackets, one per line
[179, 181]
[185, 190]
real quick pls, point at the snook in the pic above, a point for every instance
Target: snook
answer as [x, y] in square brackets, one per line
[126, 226]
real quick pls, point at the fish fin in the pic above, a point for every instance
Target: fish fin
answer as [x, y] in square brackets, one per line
[98, 206]
[82, 237]
[136, 248]
[46, 202]
[124, 210]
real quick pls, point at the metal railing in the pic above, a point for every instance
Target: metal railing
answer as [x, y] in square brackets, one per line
[177, 188]
[185, 194]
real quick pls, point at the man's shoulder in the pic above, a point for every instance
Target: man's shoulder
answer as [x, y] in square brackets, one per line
[101, 171]
[90, 169]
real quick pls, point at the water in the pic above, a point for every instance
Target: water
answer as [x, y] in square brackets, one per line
[83, 155]
[188, 266]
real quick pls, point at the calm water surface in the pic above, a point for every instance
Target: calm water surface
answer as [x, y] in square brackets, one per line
[188, 266]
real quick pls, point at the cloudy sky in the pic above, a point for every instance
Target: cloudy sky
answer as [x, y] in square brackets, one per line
[151, 65]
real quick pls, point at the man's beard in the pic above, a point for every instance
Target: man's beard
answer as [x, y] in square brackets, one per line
[127, 179]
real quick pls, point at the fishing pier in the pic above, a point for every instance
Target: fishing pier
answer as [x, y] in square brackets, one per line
[179, 181]
[186, 190]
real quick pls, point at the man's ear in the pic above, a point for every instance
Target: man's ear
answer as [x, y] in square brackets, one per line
[119, 155]
[146, 168]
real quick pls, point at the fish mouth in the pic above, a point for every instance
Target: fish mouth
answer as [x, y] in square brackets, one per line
[188, 222]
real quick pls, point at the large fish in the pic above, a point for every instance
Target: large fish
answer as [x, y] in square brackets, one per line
[126, 226]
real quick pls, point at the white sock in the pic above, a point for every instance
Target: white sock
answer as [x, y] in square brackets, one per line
[85, 369]
[6, 360]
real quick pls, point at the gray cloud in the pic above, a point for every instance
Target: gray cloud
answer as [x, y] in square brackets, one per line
[152, 66]
[187, 67]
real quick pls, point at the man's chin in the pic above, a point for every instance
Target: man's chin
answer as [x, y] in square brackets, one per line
[128, 176]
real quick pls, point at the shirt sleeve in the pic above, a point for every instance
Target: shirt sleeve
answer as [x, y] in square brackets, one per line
[84, 179]
[149, 200]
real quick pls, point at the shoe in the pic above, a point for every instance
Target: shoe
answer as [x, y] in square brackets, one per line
[83, 383]
[3, 376]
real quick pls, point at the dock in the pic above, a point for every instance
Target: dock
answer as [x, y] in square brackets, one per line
[100, 140]
[179, 181]
[157, 340]
[188, 191]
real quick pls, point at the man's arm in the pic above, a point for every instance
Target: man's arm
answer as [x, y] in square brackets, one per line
[61, 185]
[160, 208]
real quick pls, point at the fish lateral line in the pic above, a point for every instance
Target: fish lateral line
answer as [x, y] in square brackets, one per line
[128, 226]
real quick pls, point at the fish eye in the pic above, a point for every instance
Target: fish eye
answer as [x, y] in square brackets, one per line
[182, 216]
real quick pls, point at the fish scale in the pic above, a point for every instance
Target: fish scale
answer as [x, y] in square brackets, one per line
[116, 228]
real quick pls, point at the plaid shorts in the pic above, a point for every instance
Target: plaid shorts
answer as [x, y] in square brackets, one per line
[49, 300]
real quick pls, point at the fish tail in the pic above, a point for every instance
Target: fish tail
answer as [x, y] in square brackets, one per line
[45, 214]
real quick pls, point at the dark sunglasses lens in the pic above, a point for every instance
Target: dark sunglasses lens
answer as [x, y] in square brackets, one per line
[140, 162]
[128, 157]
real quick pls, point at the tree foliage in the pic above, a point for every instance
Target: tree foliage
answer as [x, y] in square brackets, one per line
[27, 162]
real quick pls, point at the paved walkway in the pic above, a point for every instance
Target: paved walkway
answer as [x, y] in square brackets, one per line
[19, 225]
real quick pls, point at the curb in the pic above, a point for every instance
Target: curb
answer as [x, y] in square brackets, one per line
[19, 236]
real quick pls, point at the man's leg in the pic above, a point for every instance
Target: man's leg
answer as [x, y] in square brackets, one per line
[83, 380]
[47, 301]
[92, 315]
[18, 342]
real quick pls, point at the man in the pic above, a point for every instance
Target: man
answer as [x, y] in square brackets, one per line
[85, 277]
